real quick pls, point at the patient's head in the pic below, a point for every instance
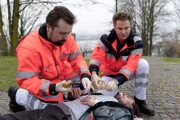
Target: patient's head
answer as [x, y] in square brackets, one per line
[125, 99]
[128, 102]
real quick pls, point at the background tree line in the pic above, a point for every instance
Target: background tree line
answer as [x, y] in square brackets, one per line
[19, 17]
[146, 14]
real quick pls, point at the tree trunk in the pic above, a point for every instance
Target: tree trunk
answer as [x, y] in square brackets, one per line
[15, 22]
[144, 23]
[151, 26]
[4, 41]
[9, 18]
[116, 6]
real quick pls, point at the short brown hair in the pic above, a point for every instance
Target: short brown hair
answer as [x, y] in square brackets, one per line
[136, 110]
[60, 12]
[121, 16]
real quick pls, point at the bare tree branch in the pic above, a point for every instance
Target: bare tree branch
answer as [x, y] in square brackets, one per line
[26, 5]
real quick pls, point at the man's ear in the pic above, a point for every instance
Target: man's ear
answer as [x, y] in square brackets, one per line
[48, 27]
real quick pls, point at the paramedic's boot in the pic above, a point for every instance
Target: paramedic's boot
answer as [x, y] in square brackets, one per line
[143, 107]
[12, 104]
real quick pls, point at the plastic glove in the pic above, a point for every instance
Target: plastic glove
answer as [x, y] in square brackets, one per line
[86, 84]
[112, 85]
[89, 100]
[60, 88]
[95, 80]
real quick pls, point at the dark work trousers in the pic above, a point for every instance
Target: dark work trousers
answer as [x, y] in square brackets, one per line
[51, 112]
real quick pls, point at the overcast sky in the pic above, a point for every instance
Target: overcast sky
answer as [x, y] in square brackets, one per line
[93, 19]
[97, 18]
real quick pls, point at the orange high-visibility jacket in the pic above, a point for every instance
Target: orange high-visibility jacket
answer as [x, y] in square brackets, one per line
[41, 65]
[112, 62]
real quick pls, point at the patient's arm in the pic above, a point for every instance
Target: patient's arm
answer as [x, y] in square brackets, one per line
[89, 100]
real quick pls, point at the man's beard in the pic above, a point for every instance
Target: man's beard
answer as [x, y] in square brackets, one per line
[59, 42]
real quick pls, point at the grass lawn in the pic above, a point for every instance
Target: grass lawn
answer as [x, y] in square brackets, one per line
[8, 68]
[173, 60]
[87, 61]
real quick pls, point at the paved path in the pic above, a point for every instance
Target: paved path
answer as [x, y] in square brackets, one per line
[4, 101]
[163, 91]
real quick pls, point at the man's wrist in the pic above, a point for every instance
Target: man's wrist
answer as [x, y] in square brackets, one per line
[93, 72]
[121, 78]
[93, 68]
[85, 75]
[52, 89]
[97, 105]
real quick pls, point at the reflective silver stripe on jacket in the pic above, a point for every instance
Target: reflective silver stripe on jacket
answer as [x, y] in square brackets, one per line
[73, 56]
[101, 45]
[96, 62]
[74, 78]
[124, 58]
[44, 86]
[75, 74]
[137, 38]
[126, 71]
[52, 96]
[108, 55]
[83, 70]
[26, 74]
[136, 51]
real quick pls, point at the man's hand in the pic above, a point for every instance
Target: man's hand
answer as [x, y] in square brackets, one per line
[60, 88]
[119, 80]
[86, 84]
[95, 79]
[76, 92]
[112, 85]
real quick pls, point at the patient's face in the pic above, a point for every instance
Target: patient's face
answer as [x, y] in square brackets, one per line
[125, 99]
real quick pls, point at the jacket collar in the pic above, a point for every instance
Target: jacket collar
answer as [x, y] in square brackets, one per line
[43, 32]
[113, 36]
[44, 38]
